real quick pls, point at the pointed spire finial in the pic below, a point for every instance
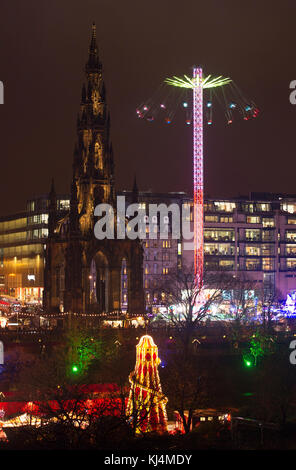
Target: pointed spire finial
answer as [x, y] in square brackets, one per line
[93, 43]
[93, 63]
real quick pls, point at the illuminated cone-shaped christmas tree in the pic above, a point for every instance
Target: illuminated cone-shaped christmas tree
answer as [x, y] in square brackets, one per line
[147, 404]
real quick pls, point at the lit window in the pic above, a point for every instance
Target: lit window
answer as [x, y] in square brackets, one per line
[263, 207]
[222, 249]
[226, 264]
[248, 208]
[268, 222]
[290, 249]
[253, 220]
[291, 263]
[252, 250]
[291, 236]
[226, 220]
[211, 218]
[224, 206]
[267, 250]
[252, 234]
[253, 264]
[219, 235]
[288, 207]
[64, 204]
[267, 264]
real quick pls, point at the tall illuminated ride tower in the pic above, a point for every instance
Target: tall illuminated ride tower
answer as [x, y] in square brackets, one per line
[197, 84]
[232, 98]
[198, 185]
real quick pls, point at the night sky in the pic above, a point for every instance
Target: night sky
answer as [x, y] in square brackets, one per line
[43, 50]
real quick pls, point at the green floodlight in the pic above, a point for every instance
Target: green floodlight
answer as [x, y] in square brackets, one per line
[248, 362]
[74, 368]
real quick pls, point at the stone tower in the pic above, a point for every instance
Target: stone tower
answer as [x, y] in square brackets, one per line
[93, 165]
[83, 274]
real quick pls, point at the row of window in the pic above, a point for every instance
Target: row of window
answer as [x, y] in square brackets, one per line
[216, 234]
[13, 224]
[251, 264]
[155, 244]
[43, 204]
[164, 256]
[227, 249]
[24, 236]
[226, 206]
[23, 250]
[267, 222]
[155, 270]
[38, 219]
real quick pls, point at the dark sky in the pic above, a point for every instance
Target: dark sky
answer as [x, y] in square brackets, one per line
[43, 50]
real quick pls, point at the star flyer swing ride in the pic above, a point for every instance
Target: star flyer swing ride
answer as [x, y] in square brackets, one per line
[192, 100]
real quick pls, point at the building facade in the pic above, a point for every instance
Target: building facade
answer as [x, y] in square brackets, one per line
[23, 239]
[253, 237]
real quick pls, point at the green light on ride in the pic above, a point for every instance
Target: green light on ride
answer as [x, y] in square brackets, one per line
[74, 369]
[207, 82]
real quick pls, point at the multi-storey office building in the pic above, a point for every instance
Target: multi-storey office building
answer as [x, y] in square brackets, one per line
[254, 237]
[23, 238]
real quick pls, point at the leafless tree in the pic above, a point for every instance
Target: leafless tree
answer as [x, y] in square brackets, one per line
[268, 298]
[188, 306]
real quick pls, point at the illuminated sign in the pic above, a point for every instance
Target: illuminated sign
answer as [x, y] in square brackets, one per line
[31, 277]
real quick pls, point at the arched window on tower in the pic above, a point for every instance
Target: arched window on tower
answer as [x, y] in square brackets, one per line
[98, 155]
[92, 281]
